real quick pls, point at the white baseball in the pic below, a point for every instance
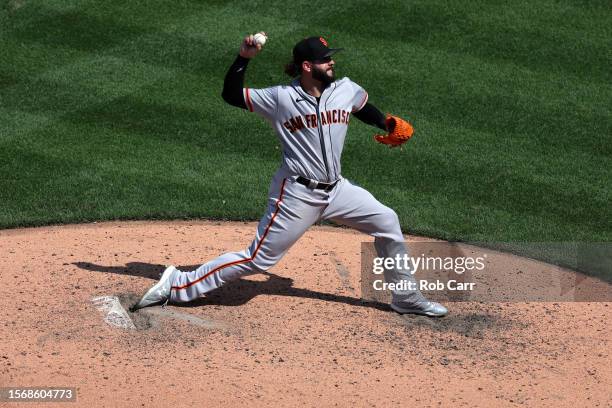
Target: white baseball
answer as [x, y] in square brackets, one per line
[260, 38]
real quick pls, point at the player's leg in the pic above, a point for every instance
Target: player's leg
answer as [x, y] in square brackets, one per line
[354, 206]
[286, 219]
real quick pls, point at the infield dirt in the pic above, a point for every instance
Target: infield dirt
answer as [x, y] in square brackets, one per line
[299, 335]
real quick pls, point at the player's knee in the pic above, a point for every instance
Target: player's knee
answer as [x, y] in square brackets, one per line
[262, 263]
[389, 221]
[258, 267]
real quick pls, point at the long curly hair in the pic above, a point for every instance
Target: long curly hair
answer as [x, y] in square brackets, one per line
[293, 70]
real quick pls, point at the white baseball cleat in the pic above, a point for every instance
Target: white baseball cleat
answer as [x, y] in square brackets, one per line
[424, 307]
[160, 292]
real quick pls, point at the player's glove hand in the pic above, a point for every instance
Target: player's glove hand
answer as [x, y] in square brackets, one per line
[399, 132]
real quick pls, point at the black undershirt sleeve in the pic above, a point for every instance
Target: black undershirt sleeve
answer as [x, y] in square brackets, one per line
[234, 83]
[370, 115]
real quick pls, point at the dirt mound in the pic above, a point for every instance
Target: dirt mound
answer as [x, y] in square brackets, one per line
[300, 334]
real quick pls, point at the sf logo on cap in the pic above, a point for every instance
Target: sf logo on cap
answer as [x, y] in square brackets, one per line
[323, 41]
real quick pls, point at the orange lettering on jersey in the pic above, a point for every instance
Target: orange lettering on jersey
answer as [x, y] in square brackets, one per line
[312, 121]
[289, 127]
[296, 123]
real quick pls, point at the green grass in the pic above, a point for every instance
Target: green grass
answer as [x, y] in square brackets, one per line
[112, 110]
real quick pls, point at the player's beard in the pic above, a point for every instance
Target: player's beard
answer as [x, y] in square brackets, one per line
[326, 76]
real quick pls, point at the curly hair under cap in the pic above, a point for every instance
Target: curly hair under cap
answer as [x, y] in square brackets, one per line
[292, 69]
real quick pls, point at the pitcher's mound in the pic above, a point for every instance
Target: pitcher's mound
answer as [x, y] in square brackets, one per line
[299, 335]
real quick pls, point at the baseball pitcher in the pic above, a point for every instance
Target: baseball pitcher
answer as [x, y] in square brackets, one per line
[310, 116]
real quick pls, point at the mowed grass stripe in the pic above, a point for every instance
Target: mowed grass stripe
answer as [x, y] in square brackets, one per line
[487, 111]
[487, 95]
[483, 186]
[482, 29]
[156, 179]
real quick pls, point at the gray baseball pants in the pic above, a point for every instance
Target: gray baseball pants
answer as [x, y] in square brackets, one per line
[292, 209]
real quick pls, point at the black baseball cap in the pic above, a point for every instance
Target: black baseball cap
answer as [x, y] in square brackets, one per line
[312, 49]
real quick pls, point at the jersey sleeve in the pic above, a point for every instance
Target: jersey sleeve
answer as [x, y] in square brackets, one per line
[360, 97]
[262, 101]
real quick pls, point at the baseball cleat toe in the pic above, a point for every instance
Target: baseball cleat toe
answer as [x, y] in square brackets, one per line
[160, 292]
[425, 308]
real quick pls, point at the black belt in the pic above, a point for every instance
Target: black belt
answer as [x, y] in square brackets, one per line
[317, 185]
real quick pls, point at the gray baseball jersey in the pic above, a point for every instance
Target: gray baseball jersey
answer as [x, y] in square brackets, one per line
[311, 132]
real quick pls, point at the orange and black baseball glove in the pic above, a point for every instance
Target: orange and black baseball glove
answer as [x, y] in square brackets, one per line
[399, 131]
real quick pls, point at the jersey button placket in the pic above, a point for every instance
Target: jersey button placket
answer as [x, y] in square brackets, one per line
[322, 141]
